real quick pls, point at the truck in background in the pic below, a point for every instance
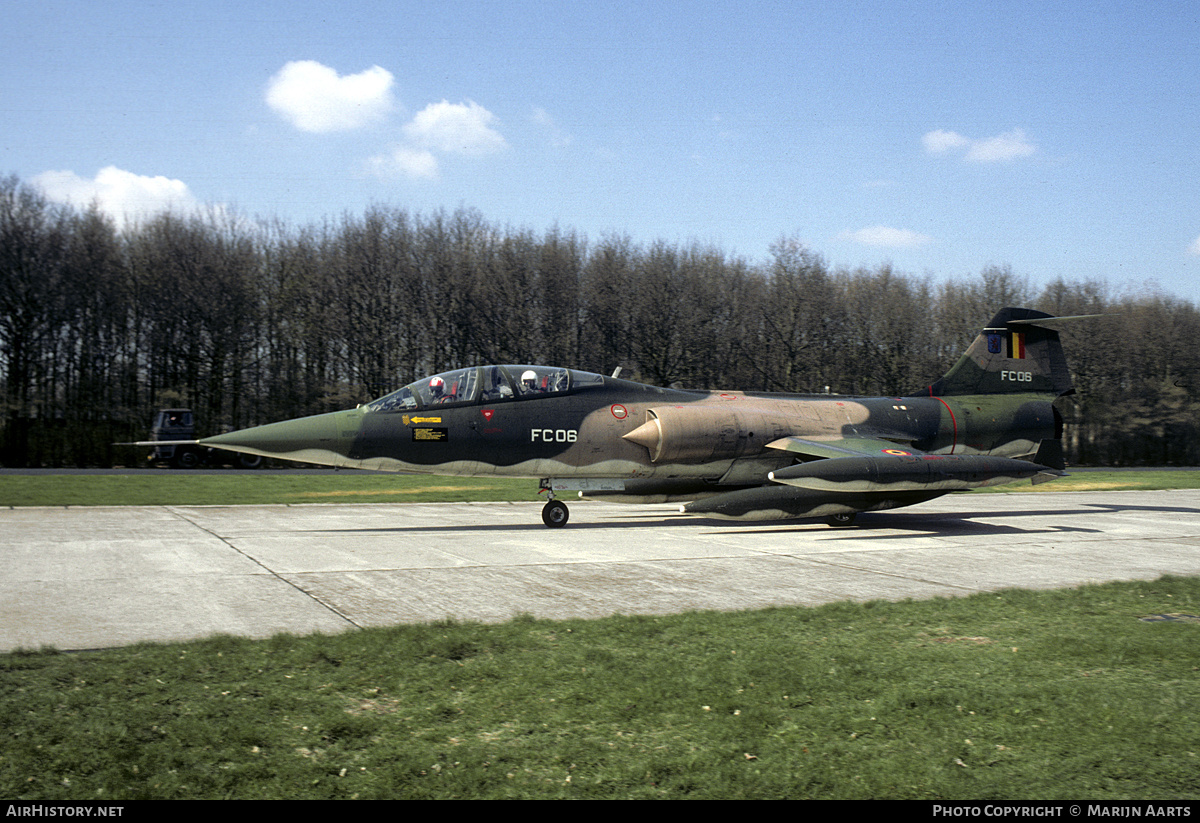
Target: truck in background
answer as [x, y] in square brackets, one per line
[173, 425]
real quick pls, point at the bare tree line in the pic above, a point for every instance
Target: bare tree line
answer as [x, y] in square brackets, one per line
[250, 322]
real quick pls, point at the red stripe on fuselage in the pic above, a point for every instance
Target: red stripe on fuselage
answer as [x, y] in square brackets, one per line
[953, 421]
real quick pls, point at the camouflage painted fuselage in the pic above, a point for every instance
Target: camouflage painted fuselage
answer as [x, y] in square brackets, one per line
[989, 420]
[721, 436]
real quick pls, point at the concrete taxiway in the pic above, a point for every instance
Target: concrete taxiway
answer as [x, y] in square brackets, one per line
[80, 578]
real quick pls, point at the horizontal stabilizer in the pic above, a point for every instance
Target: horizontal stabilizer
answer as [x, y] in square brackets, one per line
[1056, 322]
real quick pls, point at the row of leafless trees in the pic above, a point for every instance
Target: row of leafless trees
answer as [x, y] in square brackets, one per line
[248, 322]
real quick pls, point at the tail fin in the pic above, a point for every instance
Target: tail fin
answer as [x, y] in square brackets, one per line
[1018, 352]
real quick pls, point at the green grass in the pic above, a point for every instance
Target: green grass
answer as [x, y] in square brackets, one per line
[163, 487]
[1014, 695]
[1110, 481]
[1011, 695]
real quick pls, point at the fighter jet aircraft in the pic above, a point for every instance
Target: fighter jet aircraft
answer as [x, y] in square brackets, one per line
[733, 454]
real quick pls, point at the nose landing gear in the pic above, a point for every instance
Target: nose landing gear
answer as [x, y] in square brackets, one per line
[554, 513]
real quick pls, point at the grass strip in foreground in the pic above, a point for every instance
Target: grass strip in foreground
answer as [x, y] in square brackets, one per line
[1071, 694]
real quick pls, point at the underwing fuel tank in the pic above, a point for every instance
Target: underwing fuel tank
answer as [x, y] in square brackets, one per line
[783, 502]
[863, 484]
[925, 472]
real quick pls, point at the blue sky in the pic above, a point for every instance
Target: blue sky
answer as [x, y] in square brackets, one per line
[1060, 139]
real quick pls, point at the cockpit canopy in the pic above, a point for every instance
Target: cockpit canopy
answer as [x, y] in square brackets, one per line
[486, 384]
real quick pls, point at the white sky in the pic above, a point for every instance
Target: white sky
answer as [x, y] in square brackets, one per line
[1061, 139]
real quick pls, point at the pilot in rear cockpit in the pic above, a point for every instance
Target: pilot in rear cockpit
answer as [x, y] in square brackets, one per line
[529, 382]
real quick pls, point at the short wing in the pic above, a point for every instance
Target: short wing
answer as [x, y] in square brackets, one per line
[838, 447]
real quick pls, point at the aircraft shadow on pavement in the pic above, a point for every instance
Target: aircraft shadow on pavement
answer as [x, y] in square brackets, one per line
[917, 523]
[924, 524]
[965, 525]
[1116, 507]
[890, 525]
[641, 521]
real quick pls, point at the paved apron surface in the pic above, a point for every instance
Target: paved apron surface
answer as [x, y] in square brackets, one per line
[79, 578]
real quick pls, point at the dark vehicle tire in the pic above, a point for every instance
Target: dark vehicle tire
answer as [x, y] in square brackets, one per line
[555, 514]
[840, 519]
[249, 461]
[186, 459]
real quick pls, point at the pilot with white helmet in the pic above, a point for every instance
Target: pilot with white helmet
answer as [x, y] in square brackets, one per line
[529, 382]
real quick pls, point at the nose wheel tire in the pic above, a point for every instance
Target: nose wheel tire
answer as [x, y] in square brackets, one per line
[837, 520]
[555, 514]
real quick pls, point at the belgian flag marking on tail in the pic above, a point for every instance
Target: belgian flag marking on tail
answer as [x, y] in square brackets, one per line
[1017, 353]
[1016, 346]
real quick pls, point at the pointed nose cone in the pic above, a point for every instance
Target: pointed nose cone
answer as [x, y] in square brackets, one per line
[324, 438]
[649, 434]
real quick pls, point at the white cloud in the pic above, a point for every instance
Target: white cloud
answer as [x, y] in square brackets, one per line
[558, 138]
[887, 237]
[456, 128]
[1007, 146]
[1195, 247]
[439, 128]
[314, 98]
[939, 141]
[407, 161]
[125, 196]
